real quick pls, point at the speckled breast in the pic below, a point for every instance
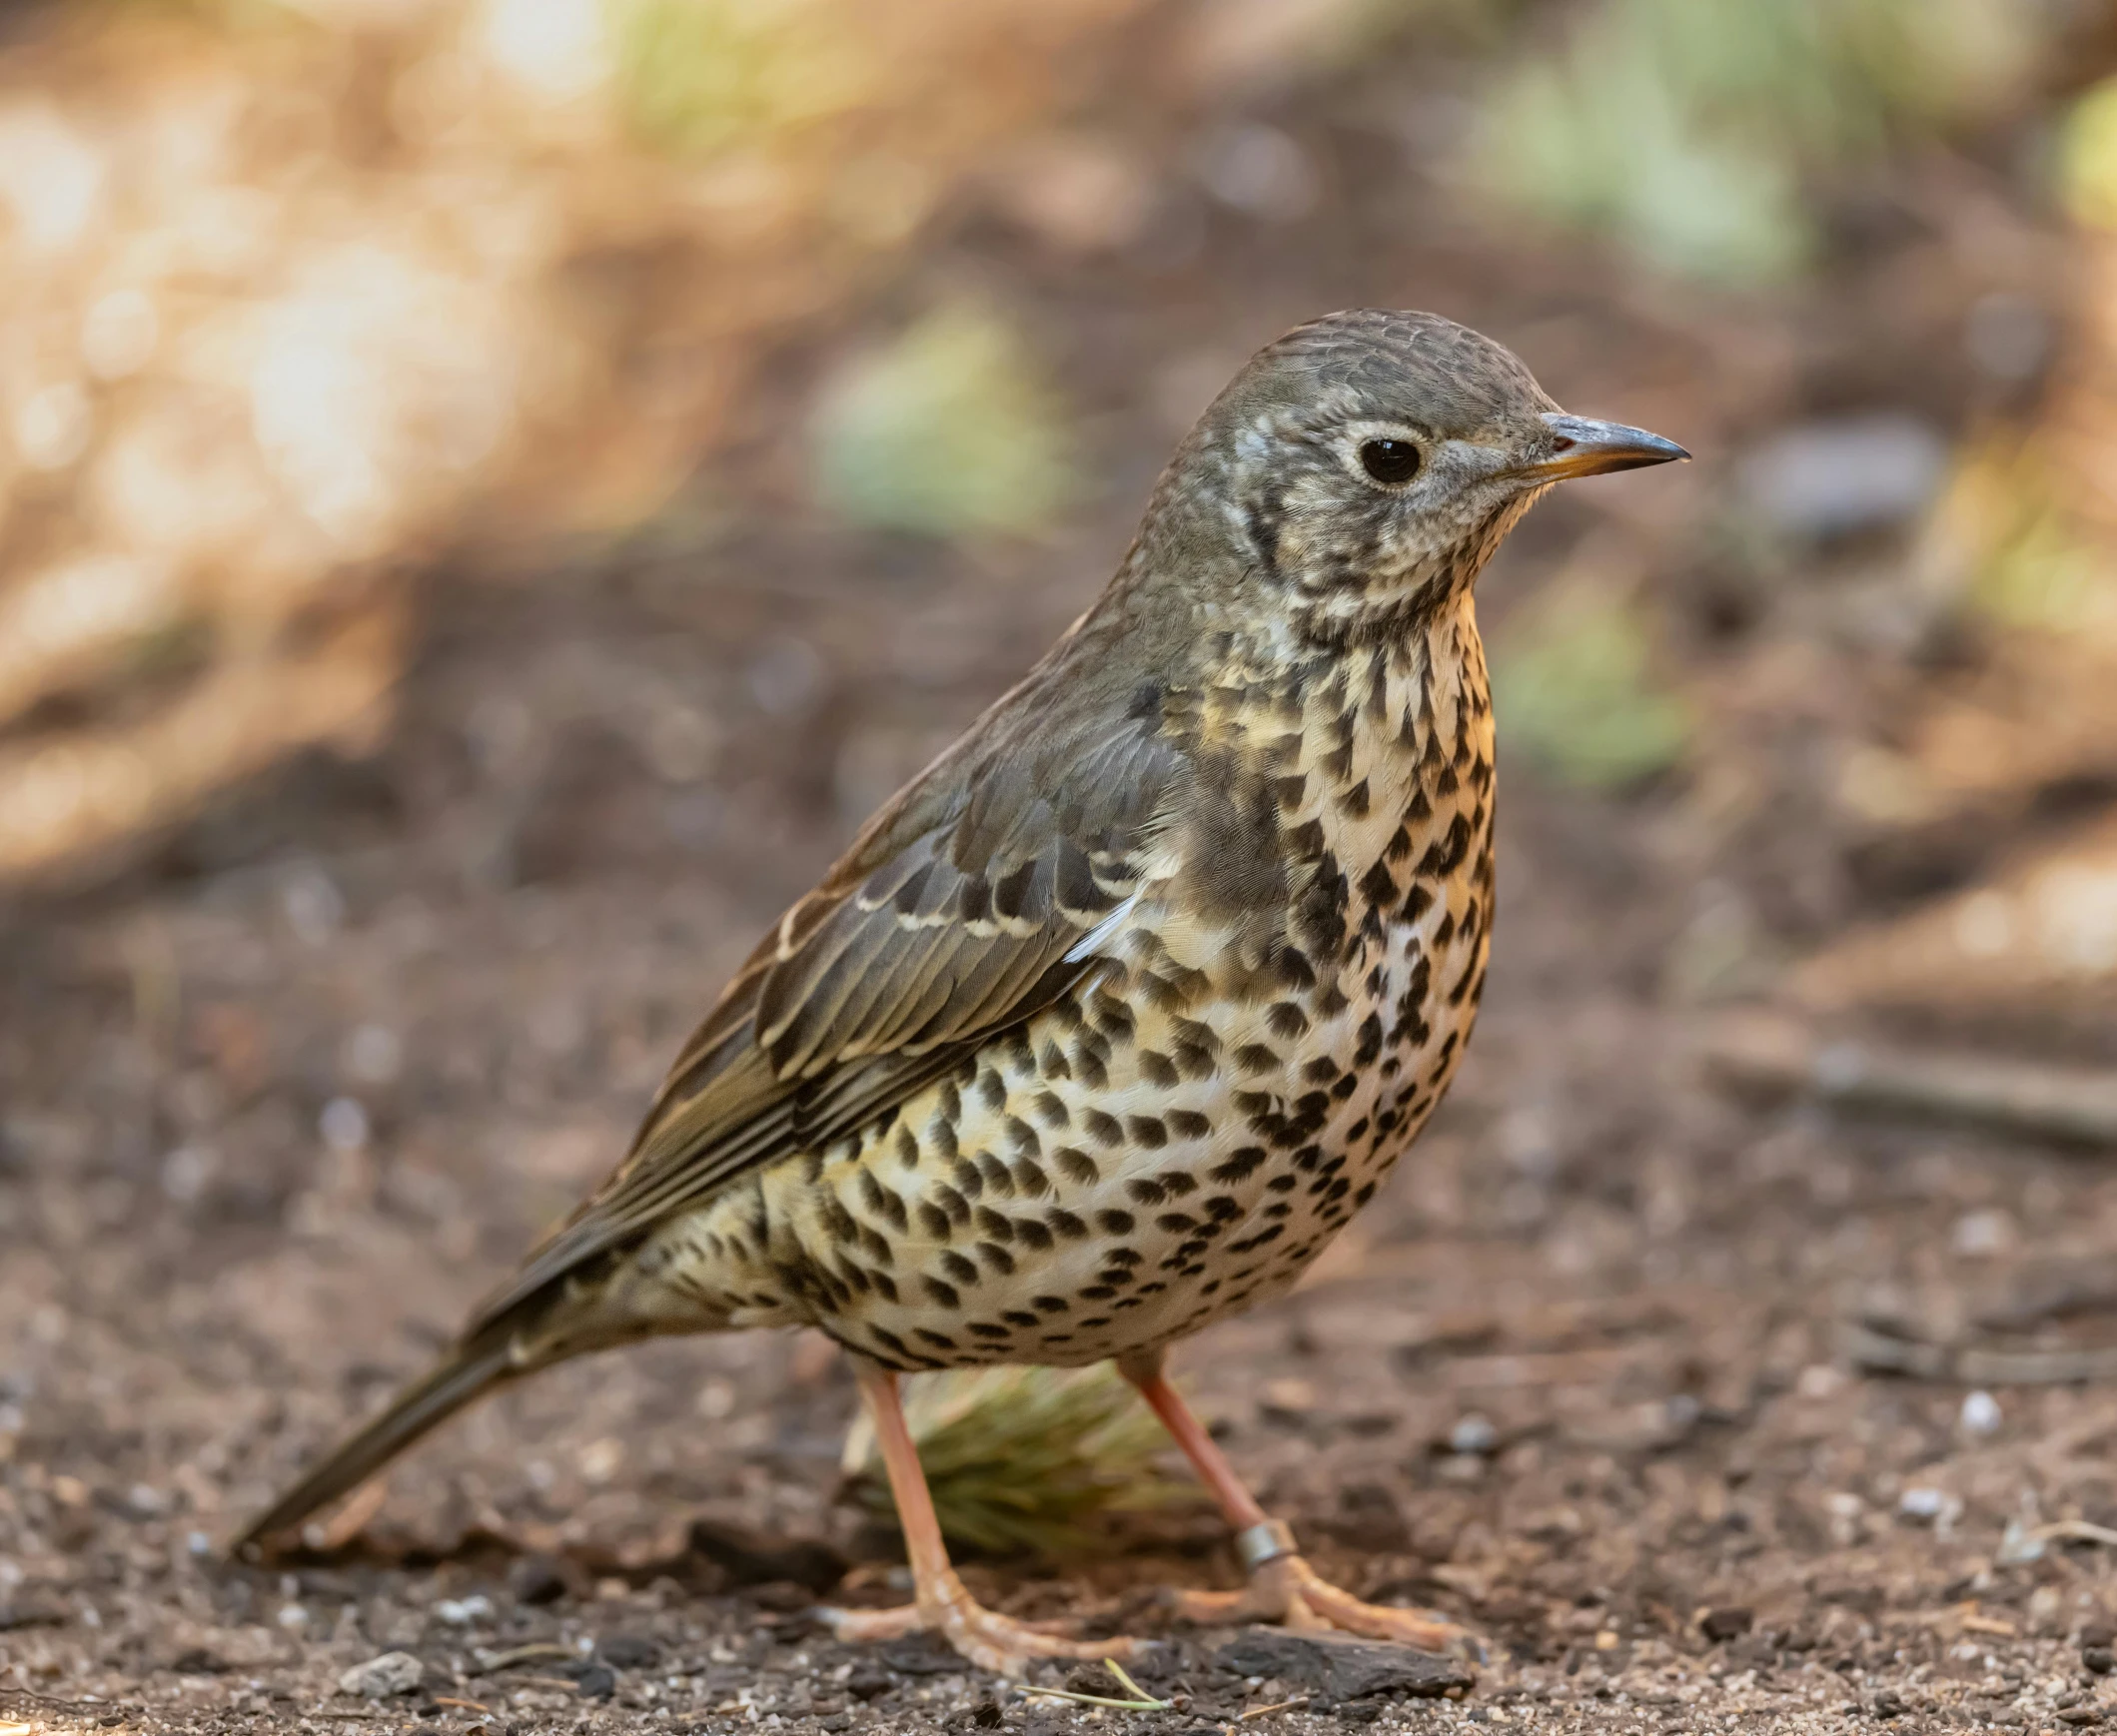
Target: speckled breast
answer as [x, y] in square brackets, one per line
[1180, 1135]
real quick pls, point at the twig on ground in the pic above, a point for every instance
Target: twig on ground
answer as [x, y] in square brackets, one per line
[2055, 1101]
[491, 1663]
[1275, 1706]
[2075, 1532]
[1887, 1347]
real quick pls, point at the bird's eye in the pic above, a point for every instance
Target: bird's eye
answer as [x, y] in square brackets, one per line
[1390, 463]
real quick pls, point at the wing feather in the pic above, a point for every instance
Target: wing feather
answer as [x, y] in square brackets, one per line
[961, 909]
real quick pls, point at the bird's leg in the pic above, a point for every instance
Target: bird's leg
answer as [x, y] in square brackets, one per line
[1283, 1586]
[940, 1602]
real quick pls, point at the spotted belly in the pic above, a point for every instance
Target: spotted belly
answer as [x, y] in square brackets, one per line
[1122, 1171]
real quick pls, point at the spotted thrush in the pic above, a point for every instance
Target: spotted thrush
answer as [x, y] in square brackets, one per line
[1113, 1016]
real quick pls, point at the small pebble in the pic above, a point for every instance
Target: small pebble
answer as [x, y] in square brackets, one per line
[1728, 1622]
[1823, 480]
[343, 1124]
[1980, 1413]
[380, 1678]
[869, 1681]
[537, 1579]
[1473, 1434]
[1922, 1503]
[629, 1651]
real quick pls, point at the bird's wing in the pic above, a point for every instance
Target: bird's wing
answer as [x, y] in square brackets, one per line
[953, 915]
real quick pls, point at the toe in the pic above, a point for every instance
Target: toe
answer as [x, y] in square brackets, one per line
[871, 1626]
[1214, 1608]
[1421, 1629]
[985, 1638]
[1007, 1648]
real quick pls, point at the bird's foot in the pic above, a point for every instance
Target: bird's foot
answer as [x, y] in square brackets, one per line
[988, 1639]
[1288, 1590]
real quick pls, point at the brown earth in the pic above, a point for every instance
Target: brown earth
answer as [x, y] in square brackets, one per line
[280, 1104]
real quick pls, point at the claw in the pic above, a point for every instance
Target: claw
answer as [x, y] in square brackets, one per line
[1288, 1590]
[987, 1639]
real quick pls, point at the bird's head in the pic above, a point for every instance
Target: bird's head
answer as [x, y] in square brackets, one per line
[1360, 470]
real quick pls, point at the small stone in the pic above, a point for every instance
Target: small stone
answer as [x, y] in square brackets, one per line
[1343, 1669]
[1819, 1380]
[1834, 478]
[537, 1579]
[750, 1559]
[343, 1124]
[380, 1678]
[986, 1715]
[1981, 1414]
[597, 1682]
[2098, 1659]
[1473, 1434]
[2080, 1715]
[629, 1651]
[1889, 1704]
[924, 1656]
[1982, 1234]
[1728, 1622]
[869, 1681]
[782, 1598]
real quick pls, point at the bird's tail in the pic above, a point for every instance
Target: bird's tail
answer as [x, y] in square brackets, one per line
[468, 1372]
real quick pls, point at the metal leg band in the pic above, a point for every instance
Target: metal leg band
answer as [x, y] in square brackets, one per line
[1265, 1542]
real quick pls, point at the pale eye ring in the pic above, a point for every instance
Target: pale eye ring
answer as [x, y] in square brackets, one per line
[1390, 463]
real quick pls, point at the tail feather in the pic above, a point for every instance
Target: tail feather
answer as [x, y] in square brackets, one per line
[471, 1371]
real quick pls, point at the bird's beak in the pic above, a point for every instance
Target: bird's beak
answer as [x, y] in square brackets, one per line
[1583, 446]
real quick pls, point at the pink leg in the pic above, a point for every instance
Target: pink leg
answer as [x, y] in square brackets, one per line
[1283, 1586]
[941, 1604]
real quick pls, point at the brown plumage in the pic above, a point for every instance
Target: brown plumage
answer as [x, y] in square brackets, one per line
[1115, 1015]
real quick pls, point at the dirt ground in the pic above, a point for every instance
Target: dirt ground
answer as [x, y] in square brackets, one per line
[281, 1100]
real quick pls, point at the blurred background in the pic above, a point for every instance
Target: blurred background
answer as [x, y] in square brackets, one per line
[493, 491]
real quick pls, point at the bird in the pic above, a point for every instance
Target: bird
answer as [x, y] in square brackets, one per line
[1108, 1021]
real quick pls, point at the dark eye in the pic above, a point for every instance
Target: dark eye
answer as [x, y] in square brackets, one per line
[1390, 463]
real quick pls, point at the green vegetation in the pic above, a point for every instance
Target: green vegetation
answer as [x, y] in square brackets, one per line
[1025, 1461]
[696, 76]
[1574, 690]
[949, 429]
[1685, 128]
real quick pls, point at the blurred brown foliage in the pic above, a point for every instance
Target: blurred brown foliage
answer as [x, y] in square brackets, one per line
[304, 303]
[292, 304]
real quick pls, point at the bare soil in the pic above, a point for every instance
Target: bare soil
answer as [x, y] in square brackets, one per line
[281, 1102]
